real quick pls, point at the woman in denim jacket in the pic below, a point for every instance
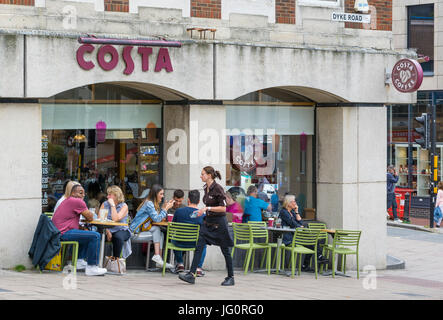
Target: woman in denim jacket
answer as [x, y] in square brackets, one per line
[149, 211]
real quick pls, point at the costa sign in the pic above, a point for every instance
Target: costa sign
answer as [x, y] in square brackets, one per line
[407, 75]
[163, 60]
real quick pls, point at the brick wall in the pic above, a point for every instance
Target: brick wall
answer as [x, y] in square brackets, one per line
[383, 14]
[206, 9]
[117, 5]
[285, 11]
[21, 2]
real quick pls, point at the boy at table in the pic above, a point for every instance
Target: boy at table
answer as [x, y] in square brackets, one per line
[66, 219]
[183, 215]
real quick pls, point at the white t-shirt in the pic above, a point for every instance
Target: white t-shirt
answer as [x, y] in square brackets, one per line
[58, 202]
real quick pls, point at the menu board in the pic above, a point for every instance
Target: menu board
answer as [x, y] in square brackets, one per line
[45, 172]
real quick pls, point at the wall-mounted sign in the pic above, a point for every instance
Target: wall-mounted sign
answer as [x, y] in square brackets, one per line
[407, 75]
[163, 60]
[350, 17]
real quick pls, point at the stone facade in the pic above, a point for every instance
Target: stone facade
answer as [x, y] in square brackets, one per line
[336, 67]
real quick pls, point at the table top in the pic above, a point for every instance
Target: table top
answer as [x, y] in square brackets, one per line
[280, 229]
[161, 223]
[106, 223]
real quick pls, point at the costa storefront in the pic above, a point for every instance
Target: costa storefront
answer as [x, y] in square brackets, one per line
[135, 114]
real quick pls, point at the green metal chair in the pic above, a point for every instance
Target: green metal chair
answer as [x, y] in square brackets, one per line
[345, 242]
[259, 232]
[303, 237]
[64, 246]
[248, 232]
[183, 232]
[322, 236]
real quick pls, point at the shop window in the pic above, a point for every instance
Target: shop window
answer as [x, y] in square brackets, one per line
[100, 135]
[421, 33]
[271, 147]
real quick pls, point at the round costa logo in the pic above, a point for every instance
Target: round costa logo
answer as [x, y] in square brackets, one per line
[407, 75]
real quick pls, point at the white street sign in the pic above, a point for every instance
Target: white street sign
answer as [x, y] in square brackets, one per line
[351, 17]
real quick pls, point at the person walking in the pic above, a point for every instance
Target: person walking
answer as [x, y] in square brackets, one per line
[439, 203]
[214, 230]
[391, 180]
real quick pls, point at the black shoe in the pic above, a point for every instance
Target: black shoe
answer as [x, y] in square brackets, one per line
[322, 259]
[187, 277]
[229, 281]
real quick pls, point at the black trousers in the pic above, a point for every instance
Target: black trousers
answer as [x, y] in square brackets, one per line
[319, 252]
[198, 253]
[118, 239]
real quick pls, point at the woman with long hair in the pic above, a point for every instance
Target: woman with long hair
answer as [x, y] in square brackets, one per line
[214, 230]
[150, 211]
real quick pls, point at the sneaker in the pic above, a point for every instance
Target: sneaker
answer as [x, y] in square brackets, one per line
[229, 281]
[95, 271]
[200, 272]
[398, 220]
[158, 260]
[81, 264]
[180, 268]
[187, 277]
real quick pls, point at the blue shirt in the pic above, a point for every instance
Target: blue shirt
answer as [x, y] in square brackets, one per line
[253, 208]
[183, 215]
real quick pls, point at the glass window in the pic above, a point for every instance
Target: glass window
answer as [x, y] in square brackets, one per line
[100, 135]
[271, 147]
[421, 33]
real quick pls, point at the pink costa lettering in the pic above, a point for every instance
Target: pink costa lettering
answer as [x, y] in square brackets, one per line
[145, 53]
[87, 65]
[128, 60]
[102, 52]
[108, 57]
[163, 61]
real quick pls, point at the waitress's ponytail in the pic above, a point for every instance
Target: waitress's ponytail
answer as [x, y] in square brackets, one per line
[211, 171]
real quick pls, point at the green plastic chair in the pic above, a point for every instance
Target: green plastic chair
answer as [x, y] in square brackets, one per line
[322, 236]
[345, 242]
[64, 247]
[178, 231]
[303, 237]
[248, 232]
[259, 231]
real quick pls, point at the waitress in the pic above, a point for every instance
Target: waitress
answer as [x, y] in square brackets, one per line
[214, 230]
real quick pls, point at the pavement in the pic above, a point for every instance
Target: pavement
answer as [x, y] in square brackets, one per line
[419, 279]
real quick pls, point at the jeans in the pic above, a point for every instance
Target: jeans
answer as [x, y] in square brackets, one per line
[89, 244]
[392, 203]
[118, 239]
[179, 254]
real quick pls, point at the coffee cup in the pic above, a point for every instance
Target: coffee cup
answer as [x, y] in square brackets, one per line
[170, 216]
[270, 222]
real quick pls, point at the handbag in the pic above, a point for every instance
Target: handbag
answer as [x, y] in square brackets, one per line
[147, 225]
[56, 262]
[115, 265]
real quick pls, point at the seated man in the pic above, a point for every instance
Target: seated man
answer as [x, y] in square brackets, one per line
[178, 197]
[184, 215]
[66, 219]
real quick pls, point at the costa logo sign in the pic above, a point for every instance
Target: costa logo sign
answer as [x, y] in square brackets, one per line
[108, 58]
[407, 75]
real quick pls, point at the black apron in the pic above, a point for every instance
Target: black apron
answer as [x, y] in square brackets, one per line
[215, 225]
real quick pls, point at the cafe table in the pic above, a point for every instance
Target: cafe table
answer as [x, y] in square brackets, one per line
[103, 225]
[280, 232]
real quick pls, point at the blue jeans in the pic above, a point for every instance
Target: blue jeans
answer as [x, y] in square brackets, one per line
[89, 244]
[179, 254]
